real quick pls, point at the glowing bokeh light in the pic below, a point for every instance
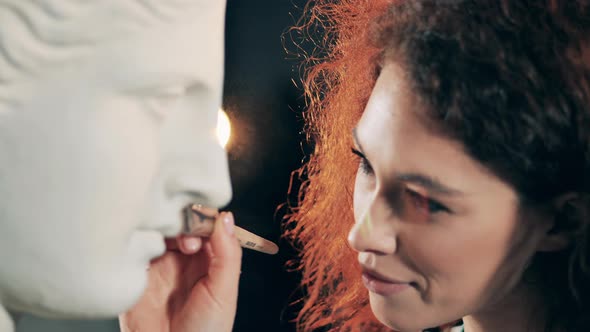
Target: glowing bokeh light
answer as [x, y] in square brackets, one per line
[223, 131]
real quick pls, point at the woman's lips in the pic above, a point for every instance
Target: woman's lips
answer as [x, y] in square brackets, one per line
[382, 285]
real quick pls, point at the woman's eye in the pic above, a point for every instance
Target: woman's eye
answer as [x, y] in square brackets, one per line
[364, 165]
[424, 206]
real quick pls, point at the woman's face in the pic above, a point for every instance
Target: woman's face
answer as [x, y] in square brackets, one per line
[438, 235]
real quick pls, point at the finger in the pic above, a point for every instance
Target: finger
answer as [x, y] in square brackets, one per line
[189, 244]
[225, 261]
[171, 243]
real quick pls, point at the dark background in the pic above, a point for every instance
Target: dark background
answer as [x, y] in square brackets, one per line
[264, 106]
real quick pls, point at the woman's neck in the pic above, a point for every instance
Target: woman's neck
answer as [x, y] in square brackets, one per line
[6, 321]
[521, 311]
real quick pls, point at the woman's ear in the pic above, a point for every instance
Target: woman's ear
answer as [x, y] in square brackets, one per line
[564, 220]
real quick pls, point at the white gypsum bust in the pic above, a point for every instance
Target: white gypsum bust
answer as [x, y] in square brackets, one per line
[107, 117]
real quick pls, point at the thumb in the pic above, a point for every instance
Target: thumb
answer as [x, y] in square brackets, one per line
[225, 258]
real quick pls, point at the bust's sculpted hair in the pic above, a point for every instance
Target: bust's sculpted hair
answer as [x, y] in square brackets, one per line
[36, 35]
[510, 80]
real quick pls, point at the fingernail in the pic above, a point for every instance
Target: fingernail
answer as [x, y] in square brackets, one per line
[191, 244]
[228, 222]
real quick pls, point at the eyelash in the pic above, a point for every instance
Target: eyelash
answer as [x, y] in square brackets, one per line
[363, 162]
[417, 198]
[421, 200]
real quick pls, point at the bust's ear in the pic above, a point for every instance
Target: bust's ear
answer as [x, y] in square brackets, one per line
[566, 217]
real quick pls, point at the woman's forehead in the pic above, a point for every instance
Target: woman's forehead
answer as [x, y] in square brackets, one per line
[394, 137]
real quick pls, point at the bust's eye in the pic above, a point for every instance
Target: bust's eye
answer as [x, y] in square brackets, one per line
[172, 91]
[160, 102]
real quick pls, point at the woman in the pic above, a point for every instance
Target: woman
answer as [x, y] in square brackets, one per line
[459, 132]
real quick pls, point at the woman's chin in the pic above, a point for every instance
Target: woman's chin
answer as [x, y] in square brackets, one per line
[397, 322]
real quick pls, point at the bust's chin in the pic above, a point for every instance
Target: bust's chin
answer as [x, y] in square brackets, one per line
[102, 292]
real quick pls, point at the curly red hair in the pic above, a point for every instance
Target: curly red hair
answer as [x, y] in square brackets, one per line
[336, 300]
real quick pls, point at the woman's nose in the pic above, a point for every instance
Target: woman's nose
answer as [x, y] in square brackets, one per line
[373, 234]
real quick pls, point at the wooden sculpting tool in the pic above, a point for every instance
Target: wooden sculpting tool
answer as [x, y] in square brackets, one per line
[199, 221]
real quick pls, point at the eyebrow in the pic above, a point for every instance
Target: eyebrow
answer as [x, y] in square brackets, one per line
[427, 182]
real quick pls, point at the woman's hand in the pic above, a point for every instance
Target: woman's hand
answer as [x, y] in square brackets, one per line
[191, 288]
